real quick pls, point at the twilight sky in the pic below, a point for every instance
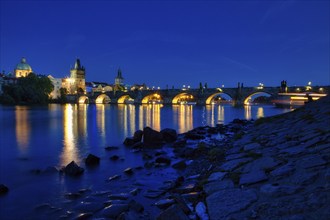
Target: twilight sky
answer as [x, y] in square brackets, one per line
[171, 42]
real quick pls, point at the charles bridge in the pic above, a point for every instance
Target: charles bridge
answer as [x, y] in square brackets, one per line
[239, 95]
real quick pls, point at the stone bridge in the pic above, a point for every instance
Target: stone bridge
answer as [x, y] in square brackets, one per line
[240, 95]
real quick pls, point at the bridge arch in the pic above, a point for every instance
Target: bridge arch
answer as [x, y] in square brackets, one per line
[152, 98]
[125, 99]
[102, 99]
[83, 100]
[248, 98]
[182, 98]
[211, 97]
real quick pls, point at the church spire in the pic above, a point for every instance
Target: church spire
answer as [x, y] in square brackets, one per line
[77, 65]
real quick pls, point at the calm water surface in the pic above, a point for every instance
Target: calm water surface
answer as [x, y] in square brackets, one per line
[34, 138]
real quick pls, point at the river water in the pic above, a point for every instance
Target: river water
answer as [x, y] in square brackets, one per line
[33, 138]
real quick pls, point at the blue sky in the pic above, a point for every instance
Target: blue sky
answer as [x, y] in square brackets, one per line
[171, 42]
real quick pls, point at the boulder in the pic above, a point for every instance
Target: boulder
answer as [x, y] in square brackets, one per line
[152, 138]
[3, 189]
[128, 171]
[193, 135]
[113, 211]
[138, 135]
[179, 143]
[164, 160]
[114, 157]
[72, 169]
[92, 160]
[169, 135]
[180, 165]
[129, 141]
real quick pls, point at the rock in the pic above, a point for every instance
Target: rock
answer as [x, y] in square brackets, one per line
[252, 177]
[201, 211]
[111, 148]
[3, 189]
[283, 171]
[264, 163]
[137, 145]
[114, 177]
[192, 197]
[72, 196]
[130, 215]
[135, 206]
[187, 188]
[164, 203]
[119, 196]
[233, 164]
[274, 190]
[152, 138]
[251, 146]
[114, 157]
[138, 135]
[293, 151]
[182, 204]
[129, 141]
[164, 160]
[128, 171]
[72, 169]
[217, 176]
[179, 143]
[113, 211]
[92, 160]
[193, 136]
[150, 193]
[223, 203]
[304, 178]
[312, 161]
[169, 135]
[180, 165]
[134, 192]
[173, 212]
[86, 207]
[218, 186]
[83, 216]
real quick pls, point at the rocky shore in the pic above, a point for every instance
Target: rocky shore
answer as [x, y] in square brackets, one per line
[271, 168]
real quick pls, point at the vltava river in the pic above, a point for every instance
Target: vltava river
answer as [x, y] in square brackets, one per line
[33, 138]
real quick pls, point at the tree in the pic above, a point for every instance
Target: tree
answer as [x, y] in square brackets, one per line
[63, 93]
[31, 89]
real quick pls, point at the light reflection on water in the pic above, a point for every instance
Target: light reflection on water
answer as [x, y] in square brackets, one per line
[127, 118]
[57, 134]
[22, 128]
[69, 152]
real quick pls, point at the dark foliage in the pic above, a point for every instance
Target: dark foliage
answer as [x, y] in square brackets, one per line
[32, 89]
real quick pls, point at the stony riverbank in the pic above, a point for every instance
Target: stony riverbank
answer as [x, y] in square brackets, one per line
[273, 168]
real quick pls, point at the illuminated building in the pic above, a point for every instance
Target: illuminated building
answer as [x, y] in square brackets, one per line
[23, 69]
[57, 83]
[77, 78]
[119, 80]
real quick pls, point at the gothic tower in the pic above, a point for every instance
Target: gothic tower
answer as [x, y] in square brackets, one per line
[78, 78]
[119, 80]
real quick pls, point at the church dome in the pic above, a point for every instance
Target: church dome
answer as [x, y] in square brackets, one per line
[23, 65]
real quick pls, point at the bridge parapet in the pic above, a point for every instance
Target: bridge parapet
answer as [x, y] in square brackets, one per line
[201, 96]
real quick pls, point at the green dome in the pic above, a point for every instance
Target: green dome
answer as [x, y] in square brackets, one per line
[23, 65]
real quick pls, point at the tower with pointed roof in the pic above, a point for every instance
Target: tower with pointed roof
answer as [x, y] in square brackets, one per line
[119, 80]
[23, 69]
[78, 78]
